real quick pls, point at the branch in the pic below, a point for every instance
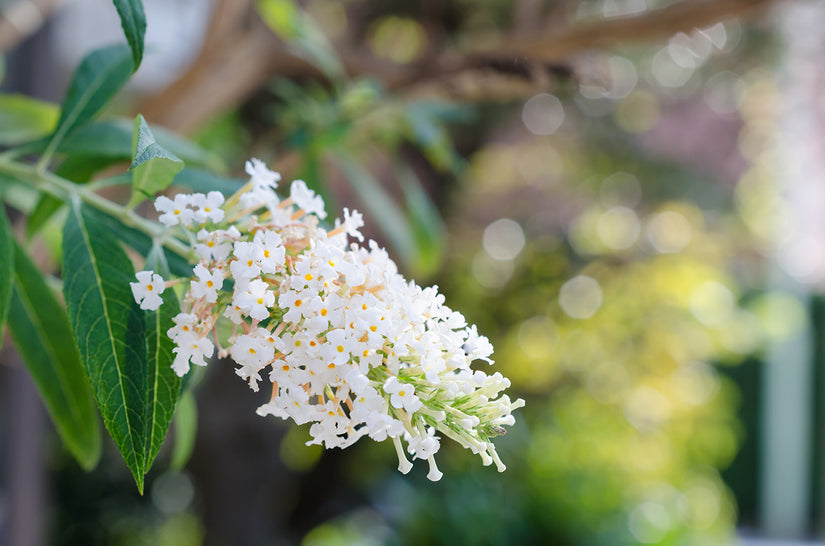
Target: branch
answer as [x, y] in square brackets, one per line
[652, 25]
[524, 55]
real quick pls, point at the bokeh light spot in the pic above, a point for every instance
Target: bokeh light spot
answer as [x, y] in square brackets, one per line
[618, 228]
[694, 382]
[669, 232]
[649, 522]
[723, 92]
[646, 408]
[701, 506]
[580, 297]
[667, 72]
[503, 239]
[398, 39]
[172, 492]
[712, 303]
[543, 114]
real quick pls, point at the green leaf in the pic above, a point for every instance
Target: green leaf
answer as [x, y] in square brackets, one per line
[426, 223]
[133, 21]
[6, 266]
[100, 75]
[303, 35]
[110, 331]
[40, 330]
[380, 206]
[186, 430]
[23, 118]
[163, 383]
[153, 167]
[112, 138]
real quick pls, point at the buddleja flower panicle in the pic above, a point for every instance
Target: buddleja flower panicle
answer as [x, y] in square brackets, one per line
[346, 343]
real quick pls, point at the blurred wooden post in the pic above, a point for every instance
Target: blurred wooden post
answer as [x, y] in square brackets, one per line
[786, 425]
[788, 479]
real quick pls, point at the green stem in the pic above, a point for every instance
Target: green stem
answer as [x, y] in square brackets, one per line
[63, 189]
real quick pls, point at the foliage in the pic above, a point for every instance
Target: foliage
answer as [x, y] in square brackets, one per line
[102, 348]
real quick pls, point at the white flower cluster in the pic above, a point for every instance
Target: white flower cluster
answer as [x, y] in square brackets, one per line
[346, 343]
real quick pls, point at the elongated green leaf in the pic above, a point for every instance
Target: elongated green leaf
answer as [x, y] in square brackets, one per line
[110, 332]
[186, 430]
[302, 33]
[380, 207]
[133, 21]
[100, 75]
[6, 267]
[153, 167]
[40, 330]
[23, 118]
[427, 225]
[164, 384]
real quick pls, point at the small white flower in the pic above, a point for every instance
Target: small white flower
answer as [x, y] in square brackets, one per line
[247, 260]
[174, 212]
[295, 303]
[191, 347]
[273, 252]
[255, 300]
[382, 426]
[216, 245]
[352, 221]
[477, 346]
[424, 447]
[208, 284]
[261, 176]
[337, 348]
[208, 207]
[148, 289]
[253, 353]
[306, 199]
[402, 395]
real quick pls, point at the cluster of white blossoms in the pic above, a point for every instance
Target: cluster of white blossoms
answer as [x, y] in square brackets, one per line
[346, 343]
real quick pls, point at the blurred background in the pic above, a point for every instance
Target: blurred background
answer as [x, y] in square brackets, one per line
[625, 195]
